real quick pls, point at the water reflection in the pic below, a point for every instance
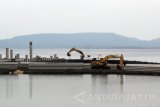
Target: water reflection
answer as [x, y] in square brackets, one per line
[15, 87]
[103, 83]
[9, 87]
[58, 90]
[30, 87]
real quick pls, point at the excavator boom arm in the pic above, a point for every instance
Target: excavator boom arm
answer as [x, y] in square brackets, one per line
[103, 61]
[77, 50]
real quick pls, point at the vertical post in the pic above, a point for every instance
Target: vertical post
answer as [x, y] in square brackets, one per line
[7, 53]
[18, 56]
[0, 56]
[30, 50]
[55, 56]
[26, 58]
[11, 54]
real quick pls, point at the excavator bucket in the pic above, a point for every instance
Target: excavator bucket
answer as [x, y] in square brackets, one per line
[68, 54]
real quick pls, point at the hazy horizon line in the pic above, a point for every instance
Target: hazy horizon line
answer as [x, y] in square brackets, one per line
[20, 35]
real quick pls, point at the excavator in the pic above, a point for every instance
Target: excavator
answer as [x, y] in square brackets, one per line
[77, 50]
[102, 63]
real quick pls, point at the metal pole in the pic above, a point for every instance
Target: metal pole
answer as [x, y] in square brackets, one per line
[30, 50]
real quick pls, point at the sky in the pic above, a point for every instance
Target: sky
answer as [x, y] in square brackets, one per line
[133, 18]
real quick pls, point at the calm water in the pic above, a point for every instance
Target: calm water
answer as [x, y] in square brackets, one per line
[152, 55]
[82, 90]
[79, 90]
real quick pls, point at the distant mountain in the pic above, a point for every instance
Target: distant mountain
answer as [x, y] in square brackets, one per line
[79, 40]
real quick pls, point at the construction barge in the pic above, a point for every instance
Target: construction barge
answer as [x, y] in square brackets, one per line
[74, 67]
[55, 65]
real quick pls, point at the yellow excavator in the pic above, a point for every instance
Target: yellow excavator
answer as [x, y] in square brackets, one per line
[102, 63]
[77, 50]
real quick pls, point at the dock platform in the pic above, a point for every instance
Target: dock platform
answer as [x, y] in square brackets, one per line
[77, 68]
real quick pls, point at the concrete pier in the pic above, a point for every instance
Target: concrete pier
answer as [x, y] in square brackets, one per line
[77, 68]
[81, 68]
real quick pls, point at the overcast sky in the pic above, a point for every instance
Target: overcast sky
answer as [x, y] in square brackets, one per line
[133, 18]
